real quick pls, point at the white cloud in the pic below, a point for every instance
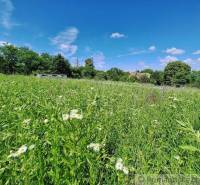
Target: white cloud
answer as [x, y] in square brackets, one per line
[117, 35]
[64, 41]
[143, 65]
[168, 59]
[196, 52]
[152, 48]
[7, 9]
[194, 63]
[68, 49]
[132, 52]
[99, 59]
[174, 51]
[2, 43]
[188, 61]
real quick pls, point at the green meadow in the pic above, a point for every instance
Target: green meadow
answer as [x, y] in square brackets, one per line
[58, 131]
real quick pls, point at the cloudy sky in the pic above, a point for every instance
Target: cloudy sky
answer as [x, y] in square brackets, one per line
[129, 34]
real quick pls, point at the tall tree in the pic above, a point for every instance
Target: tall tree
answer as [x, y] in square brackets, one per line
[177, 73]
[89, 70]
[115, 74]
[61, 66]
[28, 60]
[8, 55]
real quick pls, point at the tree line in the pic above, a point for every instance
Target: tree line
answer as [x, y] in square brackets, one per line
[22, 60]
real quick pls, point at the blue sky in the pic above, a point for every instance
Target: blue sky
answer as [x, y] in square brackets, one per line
[129, 34]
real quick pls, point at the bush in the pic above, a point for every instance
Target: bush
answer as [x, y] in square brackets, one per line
[177, 73]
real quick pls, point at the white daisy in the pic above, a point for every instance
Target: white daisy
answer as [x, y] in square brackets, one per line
[125, 170]
[120, 166]
[65, 117]
[46, 121]
[72, 115]
[95, 146]
[19, 152]
[27, 121]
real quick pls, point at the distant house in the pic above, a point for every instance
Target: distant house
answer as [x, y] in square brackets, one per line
[51, 75]
[140, 76]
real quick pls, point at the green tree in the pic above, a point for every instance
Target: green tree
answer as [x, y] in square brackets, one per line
[28, 60]
[61, 66]
[77, 72]
[46, 64]
[157, 77]
[195, 79]
[8, 55]
[89, 70]
[149, 71]
[115, 74]
[101, 75]
[177, 73]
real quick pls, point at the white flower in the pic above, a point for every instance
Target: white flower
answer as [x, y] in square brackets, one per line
[27, 121]
[95, 146]
[99, 128]
[125, 170]
[20, 151]
[65, 117]
[177, 157]
[31, 147]
[46, 121]
[174, 98]
[72, 115]
[120, 166]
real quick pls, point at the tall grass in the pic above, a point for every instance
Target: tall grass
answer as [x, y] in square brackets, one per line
[150, 130]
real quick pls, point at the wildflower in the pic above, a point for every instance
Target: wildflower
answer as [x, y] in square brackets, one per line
[19, 152]
[177, 157]
[120, 166]
[99, 128]
[27, 121]
[125, 170]
[46, 121]
[94, 103]
[31, 147]
[65, 117]
[95, 146]
[60, 96]
[72, 115]
[173, 98]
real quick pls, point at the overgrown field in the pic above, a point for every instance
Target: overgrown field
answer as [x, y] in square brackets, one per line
[86, 132]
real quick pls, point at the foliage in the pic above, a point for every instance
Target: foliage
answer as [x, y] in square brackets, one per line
[89, 70]
[125, 129]
[61, 66]
[177, 73]
[8, 59]
[157, 78]
[101, 75]
[195, 79]
[22, 60]
[115, 74]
